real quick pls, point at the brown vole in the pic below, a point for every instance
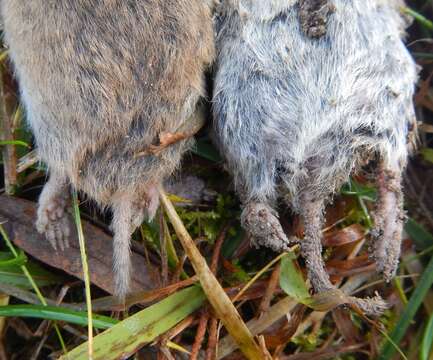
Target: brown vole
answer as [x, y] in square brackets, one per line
[102, 81]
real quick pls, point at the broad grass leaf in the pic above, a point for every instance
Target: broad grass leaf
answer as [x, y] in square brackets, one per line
[12, 274]
[294, 285]
[129, 335]
[291, 279]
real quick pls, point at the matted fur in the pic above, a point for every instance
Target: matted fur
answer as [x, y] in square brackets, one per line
[298, 111]
[100, 81]
[307, 111]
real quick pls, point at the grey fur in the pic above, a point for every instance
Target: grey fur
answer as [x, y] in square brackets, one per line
[101, 81]
[296, 115]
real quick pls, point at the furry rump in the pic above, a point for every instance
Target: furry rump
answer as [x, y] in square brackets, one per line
[101, 81]
[289, 108]
[307, 92]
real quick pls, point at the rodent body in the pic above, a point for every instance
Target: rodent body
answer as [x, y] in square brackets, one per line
[297, 112]
[101, 81]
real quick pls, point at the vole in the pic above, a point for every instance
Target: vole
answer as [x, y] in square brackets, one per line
[104, 83]
[306, 93]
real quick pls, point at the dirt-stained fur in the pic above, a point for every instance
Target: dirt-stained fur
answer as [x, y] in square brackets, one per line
[314, 15]
[101, 81]
[296, 114]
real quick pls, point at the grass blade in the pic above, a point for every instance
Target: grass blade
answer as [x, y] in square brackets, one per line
[224, 308]
[126, 337]
[8, 259]
[420, 18]
[14, 142]
[86, 276]
[32, 282]
[13, 275]
[409, 312]
[427, 340]
[56, 313]
[419, 235]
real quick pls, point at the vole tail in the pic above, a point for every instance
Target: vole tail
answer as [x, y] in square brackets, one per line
[128, 213]
[122, 228]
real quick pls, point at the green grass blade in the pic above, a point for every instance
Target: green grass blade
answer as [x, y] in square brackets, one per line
[427, 340]
[8, 259]
[13, 275]
[31, 280]
[56, 313]
[419, 235]
[125, 338]
[420, 18]
[86, 275]
[14, 142]
[409, 312]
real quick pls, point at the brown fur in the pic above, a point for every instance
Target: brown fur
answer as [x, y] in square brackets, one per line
[101, 81]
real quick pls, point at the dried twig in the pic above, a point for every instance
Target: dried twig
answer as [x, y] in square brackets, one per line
[217, 248]
[179, 328]
[213, 339]
[204, 318]
[163, 249]
[188, 129]
[201, 330]
[6, 134]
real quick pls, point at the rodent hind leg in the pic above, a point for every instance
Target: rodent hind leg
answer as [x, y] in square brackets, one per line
[312, 212]
[255, 180]
[52, 217]
[129, 211]
[262, 223]
[389, 219]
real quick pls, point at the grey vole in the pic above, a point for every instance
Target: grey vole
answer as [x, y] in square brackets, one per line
[307, 92]
[103, 81]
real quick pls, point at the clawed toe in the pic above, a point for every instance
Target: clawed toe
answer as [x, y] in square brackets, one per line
[54, 223]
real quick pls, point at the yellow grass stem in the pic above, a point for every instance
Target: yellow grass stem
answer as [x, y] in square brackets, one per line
[224, 308]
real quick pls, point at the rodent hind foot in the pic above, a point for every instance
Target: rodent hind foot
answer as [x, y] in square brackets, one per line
[54, 223]
[261, 221]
